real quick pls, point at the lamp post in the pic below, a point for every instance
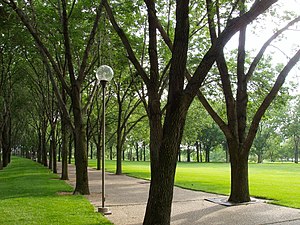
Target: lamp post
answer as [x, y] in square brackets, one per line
[104, 74]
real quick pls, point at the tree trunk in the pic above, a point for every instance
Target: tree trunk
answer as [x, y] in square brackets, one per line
[98, 156]
[5, 145]
[59, 152]
[81, 161]
[98, 145]
[144, 151]
[54, 152]
[197, 151]
[43, 143]
[110, 153]
[239, 176]
[1, 163]
[71, 135]
[162, 174]
[259, 157]
[160, 196]
[119, 156]
[50, 165]
[119, 138]
[39, 150]
[188, 156]
[64, 149]
[137, 151]
[207, 156]
[296, 149]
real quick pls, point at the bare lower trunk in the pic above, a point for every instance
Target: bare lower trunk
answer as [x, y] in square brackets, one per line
[70, 147]
[5, 145]
[1, 164]
[296, 149]
[44, 147]
[39, 150]
[81, 161]
[54, 154]
[160, 196]
[119, 160]
[64, 150]
[163, 165]
[98, 157]
[239, 178]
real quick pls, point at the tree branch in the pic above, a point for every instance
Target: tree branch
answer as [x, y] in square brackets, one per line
[268, 100]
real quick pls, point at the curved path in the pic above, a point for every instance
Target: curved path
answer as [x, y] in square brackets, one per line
[126, 197]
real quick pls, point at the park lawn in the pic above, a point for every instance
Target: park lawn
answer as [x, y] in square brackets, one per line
[31, 194]
[279, 182]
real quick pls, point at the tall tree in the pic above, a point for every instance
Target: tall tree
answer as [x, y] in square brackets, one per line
[64, 16]
[238, 133]
[166, 129]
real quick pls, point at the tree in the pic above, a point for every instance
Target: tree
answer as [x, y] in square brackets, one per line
[128, 103]
[63, 24]
[166, 129]
[292, 127]
[239, 134]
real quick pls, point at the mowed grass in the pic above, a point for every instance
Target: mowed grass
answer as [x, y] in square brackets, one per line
[279, 182]
[31, 194]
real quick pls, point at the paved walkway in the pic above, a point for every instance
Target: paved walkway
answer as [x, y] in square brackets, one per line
[126, 197]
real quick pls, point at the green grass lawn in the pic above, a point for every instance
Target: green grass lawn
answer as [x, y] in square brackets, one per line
[29, 194]
[277, 181]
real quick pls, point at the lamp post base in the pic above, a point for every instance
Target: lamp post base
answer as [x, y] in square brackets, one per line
[104, 210]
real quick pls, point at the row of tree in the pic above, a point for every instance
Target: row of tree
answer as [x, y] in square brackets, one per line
[172, 53]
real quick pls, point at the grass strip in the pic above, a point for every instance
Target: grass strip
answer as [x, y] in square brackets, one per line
[279, 182]
[31, 194]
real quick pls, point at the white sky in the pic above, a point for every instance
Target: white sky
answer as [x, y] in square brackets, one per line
[261, 31]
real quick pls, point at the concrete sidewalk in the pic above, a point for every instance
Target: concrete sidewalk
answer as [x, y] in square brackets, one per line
[126, 197]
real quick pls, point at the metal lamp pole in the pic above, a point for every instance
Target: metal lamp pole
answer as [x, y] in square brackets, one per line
[104, 74]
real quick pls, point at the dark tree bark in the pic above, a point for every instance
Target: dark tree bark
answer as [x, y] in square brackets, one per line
[137, 155]
[144, 151]
[179, 155]
[197, 151]
[64, 149]
[54, 149]
[164, 145]
[80, 144]
[71, 141]
[207, 154]
[240, 137]
[239, 175]
[188, 154]
[44, 142]
[39, 150]
[296, 141]
[1, 163]
[74, 89]
[6, 144]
